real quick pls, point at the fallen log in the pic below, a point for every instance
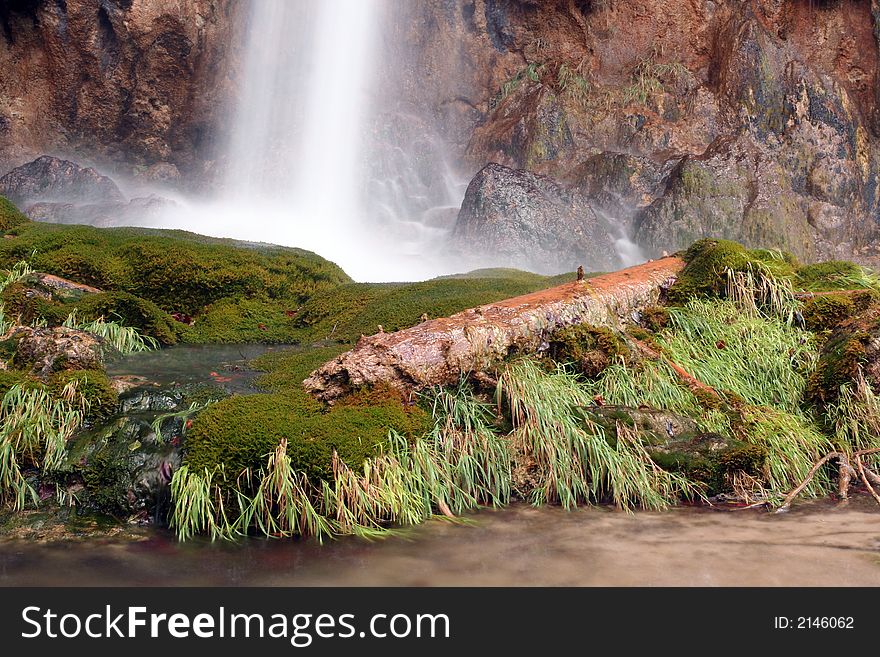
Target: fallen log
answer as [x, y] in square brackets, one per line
[438, 352]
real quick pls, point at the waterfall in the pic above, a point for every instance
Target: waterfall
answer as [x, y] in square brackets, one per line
[320, 155]
[298, 133]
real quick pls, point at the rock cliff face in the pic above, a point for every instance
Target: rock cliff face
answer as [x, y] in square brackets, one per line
[750, 119]
[755, 120]
[127, 83]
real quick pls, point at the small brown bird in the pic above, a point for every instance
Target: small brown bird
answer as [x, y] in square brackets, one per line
[580, 272]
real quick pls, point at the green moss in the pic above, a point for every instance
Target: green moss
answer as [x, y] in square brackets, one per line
[590, 348]
[10, 216]
[708, 260]
[129, 310]
[343, 314]
[244, 320]
[710, 459]
[22, 302]
[286, 370]
[178, 271]
[654, 318]
[240, 432]
[708, 400]
[849, 346]
[10, 378]
[106, 478]
[823, 313]
[94, 386]
[825, 276]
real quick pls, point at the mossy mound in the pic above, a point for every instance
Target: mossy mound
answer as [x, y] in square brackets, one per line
[826, 312]
[589, 348]
[240, 432]
[231, 321]
[10, 216]
[178, 271]
[708, 260]
[854, 344]
[130, 310]
[831, 275]
[343, 314]
[94, 386]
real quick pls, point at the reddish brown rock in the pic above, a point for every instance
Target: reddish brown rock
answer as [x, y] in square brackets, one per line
[135, 82]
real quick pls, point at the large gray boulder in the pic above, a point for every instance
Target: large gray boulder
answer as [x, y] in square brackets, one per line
[50, 179]
[515, 218]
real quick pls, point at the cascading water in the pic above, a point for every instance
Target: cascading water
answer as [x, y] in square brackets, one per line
[307, 163]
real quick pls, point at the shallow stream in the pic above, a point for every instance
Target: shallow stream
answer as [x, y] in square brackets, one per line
[816, 544]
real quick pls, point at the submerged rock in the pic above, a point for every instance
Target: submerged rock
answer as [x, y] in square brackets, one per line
[124, 466]
[516, 218]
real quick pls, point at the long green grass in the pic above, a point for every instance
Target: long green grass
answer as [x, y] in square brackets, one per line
[18, 271]
[855, 418]
[763, 361]
[34, 430]
[576, 461]
[124, 339]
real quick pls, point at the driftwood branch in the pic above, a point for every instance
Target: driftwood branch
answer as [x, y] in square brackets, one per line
[847, 472]
[438, 352]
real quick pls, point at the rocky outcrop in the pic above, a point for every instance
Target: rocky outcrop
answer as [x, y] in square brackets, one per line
[64, 192]
[138, 211]
[55, 288]
[133, 82]
[519, 219]
[49, 179]
[45, 351]
[752, 120]
[773, 104]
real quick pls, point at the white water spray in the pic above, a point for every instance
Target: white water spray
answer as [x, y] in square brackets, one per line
[300, 167]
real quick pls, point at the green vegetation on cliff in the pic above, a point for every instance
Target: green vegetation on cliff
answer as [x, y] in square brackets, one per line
[10, 216]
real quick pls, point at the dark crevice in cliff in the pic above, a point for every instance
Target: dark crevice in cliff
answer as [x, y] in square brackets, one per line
[17, 8]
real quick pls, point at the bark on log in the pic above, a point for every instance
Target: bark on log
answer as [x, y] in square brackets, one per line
[439, 351]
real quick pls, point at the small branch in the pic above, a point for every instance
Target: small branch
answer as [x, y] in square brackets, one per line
[786, 504]
[846, 473]
[686, 377]
[865, 479]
